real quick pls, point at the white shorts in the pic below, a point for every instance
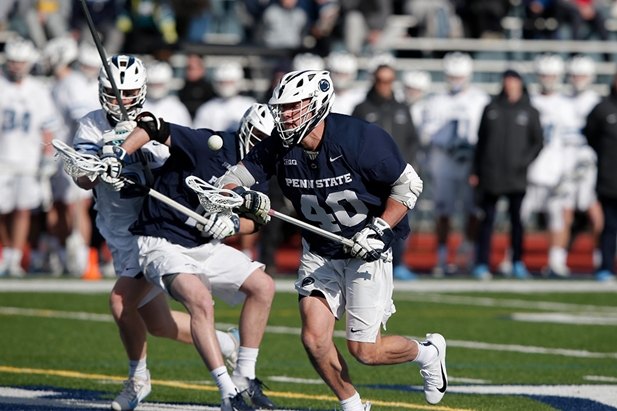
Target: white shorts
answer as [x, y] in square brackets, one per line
[362, 289]
[225, 267]
[543, 199]
[583, 192]
[19, 192]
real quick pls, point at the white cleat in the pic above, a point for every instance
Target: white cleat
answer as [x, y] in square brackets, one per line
[232, 358]
[367, 406]
[434, 373]
[134, 391]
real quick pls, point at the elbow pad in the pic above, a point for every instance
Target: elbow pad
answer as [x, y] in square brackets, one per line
[237, 175]
[407, 188]
[157, 128]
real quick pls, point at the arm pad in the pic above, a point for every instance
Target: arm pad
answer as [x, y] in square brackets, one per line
[157, 128]
[237, 175]
[407, 188]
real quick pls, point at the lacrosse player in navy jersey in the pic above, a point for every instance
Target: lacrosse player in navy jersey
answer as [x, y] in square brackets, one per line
[189, 261]
[347, 176]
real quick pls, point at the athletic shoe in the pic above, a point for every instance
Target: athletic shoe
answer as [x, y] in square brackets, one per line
[434, 373]
[367, 406]
[401, 272]
[481, 272]
[558, 270]
[134, 391]
[235, 404]
[519, 270]
[232, 358]
[251, 390]
[605, 276]
[16, 271]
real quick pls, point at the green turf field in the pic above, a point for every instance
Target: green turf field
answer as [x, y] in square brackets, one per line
[496, 341]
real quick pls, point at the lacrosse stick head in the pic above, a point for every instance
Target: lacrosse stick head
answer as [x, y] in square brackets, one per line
[212, 199]
[78, 164]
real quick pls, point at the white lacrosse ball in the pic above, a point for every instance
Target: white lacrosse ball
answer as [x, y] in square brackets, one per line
[215, 142]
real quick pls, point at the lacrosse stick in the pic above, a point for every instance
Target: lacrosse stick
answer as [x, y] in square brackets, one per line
[79, 165]
[218, 199]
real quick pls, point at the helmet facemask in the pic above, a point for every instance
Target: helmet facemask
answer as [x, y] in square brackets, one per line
[257, 124]
[130, 78]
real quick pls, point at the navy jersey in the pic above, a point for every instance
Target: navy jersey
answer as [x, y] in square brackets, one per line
[346, 185]
[189, 155]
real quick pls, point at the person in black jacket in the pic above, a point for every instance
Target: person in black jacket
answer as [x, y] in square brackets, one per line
[381, 108]
[601, 133]
[509, 138]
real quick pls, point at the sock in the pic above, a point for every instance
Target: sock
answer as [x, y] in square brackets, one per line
[247, 357]
[7, 255]
[597, 258]
[442, 255]
[557, 256]
[16, 256]
[225, 342]
[223, 381]
[138, 369]
[426, 354]
[353, 403]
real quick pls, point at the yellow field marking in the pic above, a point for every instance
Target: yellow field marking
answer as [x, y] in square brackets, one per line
[178, 384]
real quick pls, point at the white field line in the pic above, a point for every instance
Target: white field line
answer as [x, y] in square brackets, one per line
[474, 345]
[599, 378]
[505, 303]
[563, 318]
[284, 378]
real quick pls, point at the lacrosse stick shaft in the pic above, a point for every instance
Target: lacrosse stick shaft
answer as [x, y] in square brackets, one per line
[320, 231]
[172, 203]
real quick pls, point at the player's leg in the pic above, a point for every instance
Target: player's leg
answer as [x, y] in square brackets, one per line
[519, 269]
[369, 306]
[18, 231]
[558, 238]
[481, 270]
[443, 197]
[596, 217]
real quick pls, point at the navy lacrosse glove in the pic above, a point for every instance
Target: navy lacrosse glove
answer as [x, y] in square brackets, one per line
[114, 157]
[255, 206]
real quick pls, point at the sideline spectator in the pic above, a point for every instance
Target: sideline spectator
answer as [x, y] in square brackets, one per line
[224, 112]
[150, 27]
[451, 125]
[381, 108]
[364, 21]
[601, 133]
[343, 67]
[509, 138]
[196, 90]
[417, 84]
[541, 19]
[436, 18]
[284, 25]
[47, 19]
[104, 15]
[483, 17]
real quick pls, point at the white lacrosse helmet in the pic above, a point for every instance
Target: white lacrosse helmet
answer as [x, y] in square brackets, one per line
[227, 79]
[89, 60]
[20, 54]
[458, 68]
[60, 52]
[313, 92]
[416, 82]
[549, 69]
[307, 61]
[130, 77]
[581, 72]
[160, 75]
[256, 118]
[379, 60]
[343, 68]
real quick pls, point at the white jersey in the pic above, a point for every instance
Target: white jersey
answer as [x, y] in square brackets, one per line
[583, 103]
[26, 109]
[346, 102]
[418, 114]
[116, 210]
[560, 128]
[221, 114]
[171, 109]
[451, 117]
[74, 99]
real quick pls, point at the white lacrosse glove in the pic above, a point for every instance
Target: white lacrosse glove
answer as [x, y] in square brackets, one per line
[48, 166]
[113, 157]
[124, 128]
[256, 205]
[221, 225]
[370, 243]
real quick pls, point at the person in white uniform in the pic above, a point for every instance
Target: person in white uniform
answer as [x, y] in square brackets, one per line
[223, 113]
[451, 122]
[417, 84]
[28, 118]
[99, 131]
[159, 99]
[561, 130]
[343, 67]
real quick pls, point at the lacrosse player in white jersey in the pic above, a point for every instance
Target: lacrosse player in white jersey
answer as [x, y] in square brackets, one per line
[417, 84]
[158, 99]
[579, 181]
[451, 122]
[223, 113]
[27, 119]
[72, 104]
[343, 67]
[561, 129]
[99, 132]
